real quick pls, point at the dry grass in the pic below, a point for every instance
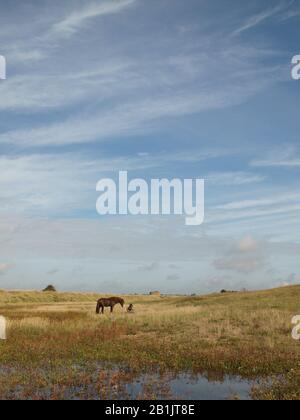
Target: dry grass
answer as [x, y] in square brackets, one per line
[248, 334]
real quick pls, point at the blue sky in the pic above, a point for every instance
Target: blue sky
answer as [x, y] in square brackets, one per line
[161, 88]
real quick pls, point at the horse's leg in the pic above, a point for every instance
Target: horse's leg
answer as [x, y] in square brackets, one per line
[111, 308]
[102, 309]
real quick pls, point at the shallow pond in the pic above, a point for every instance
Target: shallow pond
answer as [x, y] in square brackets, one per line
[194, 387]
[97, 382]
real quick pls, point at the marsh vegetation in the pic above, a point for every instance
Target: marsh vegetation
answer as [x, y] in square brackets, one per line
[58, 348]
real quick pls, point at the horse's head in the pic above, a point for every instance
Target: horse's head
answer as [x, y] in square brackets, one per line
[122, 302]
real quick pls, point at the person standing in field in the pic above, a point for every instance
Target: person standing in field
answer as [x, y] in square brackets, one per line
[2, 328]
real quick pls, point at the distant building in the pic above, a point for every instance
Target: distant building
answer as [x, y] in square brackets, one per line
[155, 293]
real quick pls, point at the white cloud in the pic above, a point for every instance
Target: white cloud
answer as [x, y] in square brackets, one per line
[283, 163]
[112, 82]
[286, 157]
[56, 184]
[271, 201]
[234, 178]
[247, 244]
[246, 256]
[30, 44]
[290, 14]
[77, 18]
[262, 16]
[267, 207]
[129, 118]
[117, 247]
[285, 211]
[131, 91]
[40, 92]
[4, 267]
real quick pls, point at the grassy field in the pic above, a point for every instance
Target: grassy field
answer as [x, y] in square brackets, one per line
[58, 347]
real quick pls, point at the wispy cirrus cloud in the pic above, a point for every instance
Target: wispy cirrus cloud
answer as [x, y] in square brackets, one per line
[287, 157]
[288, 163]
[291, 13]
[27, 92]
[30, 46]
[122, 120]
[237, 178]
[276, 213]
[284, 205]
[83, 73]
[58, 184]
[270, 201]
[77, 18]
[136, 116]
[262, 16]
[125, 80]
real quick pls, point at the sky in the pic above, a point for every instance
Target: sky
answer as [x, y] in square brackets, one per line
[162, 89]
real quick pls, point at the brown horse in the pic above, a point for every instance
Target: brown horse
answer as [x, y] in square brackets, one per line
[109, 303]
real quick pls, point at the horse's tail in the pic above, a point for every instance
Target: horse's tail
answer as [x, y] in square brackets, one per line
[98, 307]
